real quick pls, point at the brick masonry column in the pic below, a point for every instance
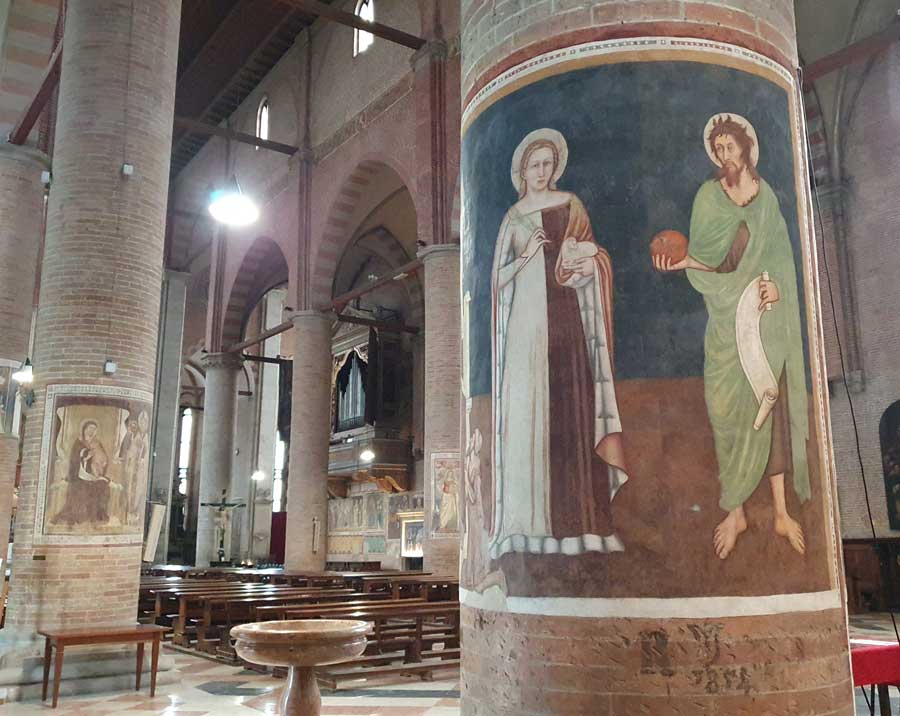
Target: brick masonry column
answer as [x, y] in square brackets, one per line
[442, 366]
[9, 455]
[99, 301]
[307, 496]
[21, 205]
[216, 447]
[632, 611]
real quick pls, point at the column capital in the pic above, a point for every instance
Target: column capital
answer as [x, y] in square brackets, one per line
[431, 51]
[222, 360]
[307, 315]
[436, 250]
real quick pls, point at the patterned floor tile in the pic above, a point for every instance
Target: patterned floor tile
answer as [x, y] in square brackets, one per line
[206, 688]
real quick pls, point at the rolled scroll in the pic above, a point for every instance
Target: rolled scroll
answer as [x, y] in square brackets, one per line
[751, 352]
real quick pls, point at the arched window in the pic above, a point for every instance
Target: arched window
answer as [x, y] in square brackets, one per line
[362, 40]
[262, 119]
[184, 450]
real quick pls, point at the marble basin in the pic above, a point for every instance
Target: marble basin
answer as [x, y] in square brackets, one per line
[301, 645]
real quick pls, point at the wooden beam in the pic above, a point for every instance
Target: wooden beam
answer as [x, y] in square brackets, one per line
[274, 331]
[390, 326]
[851, 53]
[338, 303]
[327, 12]
[266, 359]
[28, 118]
[196, 127]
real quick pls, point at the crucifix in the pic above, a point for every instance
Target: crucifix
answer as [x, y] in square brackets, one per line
[222, 519]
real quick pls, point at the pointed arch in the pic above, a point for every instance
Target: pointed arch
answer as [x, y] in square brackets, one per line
[263, 267]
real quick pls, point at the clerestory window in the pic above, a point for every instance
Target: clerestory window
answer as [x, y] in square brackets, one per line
[362, 40]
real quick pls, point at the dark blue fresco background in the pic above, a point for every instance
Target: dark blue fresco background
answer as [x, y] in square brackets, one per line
[636, 160]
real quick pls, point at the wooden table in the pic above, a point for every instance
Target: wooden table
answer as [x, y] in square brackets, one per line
[82, 637]
[876, 663]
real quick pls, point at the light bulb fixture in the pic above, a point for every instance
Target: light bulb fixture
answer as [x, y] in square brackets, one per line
[367, 456]
[230, 206]
[25, 374]
[258, 475]
[24, 377]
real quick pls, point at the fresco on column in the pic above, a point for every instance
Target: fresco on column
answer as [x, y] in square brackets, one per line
[644, 399]
[94, 464]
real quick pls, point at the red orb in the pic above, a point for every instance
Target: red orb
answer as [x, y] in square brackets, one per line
[671, 244]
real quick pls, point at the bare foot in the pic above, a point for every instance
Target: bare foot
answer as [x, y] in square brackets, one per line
[786, 526]
[726, 534]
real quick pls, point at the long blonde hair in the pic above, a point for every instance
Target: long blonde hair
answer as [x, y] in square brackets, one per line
[526, 155]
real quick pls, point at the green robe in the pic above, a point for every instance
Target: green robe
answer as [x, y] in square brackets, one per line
[743, 452]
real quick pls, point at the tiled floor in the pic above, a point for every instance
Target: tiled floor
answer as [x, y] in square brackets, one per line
[207, 688]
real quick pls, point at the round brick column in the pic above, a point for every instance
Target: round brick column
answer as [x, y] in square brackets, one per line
[216, 447]
[441, 389]
[553, 626]
[100, 293]
[21, 205]
[307, 496]
[9, 454]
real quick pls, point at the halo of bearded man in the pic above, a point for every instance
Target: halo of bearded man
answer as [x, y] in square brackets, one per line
[726, 126]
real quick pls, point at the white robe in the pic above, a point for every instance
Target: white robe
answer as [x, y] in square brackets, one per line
[521, 403]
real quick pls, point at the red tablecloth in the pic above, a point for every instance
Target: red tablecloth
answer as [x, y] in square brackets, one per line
[875, 663]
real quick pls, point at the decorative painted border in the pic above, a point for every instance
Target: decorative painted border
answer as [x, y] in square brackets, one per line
[434, 534]
[655, 49]
[54, 391]
[642, 49]
[494, 600]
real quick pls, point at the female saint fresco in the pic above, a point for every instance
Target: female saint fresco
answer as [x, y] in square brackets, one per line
[558, 458]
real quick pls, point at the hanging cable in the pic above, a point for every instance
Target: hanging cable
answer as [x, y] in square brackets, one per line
[862, 470]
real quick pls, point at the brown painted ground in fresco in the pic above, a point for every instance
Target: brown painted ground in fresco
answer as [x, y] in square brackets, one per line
[668, 540]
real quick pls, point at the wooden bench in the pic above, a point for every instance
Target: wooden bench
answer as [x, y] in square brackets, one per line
[190, 602]
[222, 611]
[400, 624]
[400, 637]
[60, 639]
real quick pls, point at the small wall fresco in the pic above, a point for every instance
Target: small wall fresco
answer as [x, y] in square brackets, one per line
[370, 524]
[344, 544]
[643, 414]
[445, 479]
[375, 545]
[359, 512]
[94, 464]
[400, 503]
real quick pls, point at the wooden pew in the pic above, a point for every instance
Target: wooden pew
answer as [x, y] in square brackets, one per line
[256, 608]
[436, 588]
[408, 627]
[222, 611]
[190, 603]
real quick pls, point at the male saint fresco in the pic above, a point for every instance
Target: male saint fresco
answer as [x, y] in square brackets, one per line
[739, 249]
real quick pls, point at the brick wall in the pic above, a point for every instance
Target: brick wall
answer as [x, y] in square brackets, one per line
[872, 220]
[30, 25]
[22, 208]
[442, 375]
[496, 33]
[101, 279]
[748, 666]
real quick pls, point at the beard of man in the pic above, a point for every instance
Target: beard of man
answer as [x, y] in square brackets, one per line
[731, 173]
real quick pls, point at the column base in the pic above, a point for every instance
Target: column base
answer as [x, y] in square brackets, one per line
[86, 670]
